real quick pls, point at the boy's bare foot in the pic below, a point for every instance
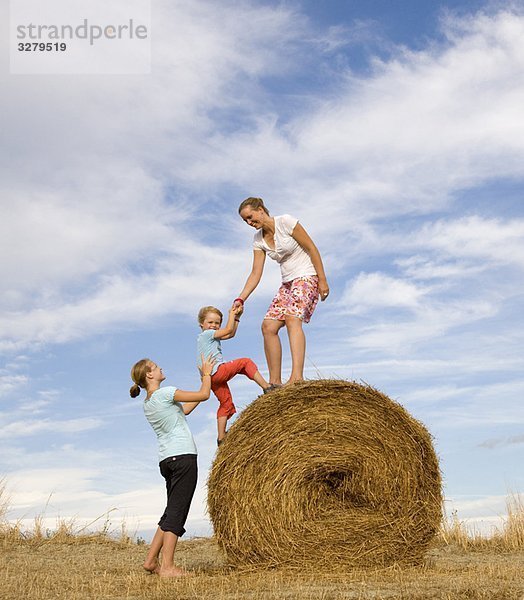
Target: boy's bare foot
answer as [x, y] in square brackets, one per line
[172, 572]
[152, 566]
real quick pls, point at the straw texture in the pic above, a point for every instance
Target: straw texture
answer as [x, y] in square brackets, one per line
[329, 474]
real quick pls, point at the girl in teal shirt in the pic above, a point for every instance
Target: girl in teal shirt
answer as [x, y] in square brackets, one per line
[166, 409]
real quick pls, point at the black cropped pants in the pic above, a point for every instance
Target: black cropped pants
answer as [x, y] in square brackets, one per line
[180, 473]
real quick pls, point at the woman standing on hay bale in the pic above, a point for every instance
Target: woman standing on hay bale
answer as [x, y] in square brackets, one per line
[177, 454]
[303, 281]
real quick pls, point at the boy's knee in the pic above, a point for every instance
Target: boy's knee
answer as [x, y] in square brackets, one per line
[250, 368]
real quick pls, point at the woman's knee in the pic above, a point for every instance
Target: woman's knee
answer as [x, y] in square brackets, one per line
[271, 327]
[293, 323]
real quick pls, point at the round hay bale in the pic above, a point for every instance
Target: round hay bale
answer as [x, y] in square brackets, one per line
[329, 474]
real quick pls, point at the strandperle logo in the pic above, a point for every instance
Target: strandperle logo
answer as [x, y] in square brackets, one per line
[84, 31]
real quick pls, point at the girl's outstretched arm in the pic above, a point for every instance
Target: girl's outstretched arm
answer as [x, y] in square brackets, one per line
[192, 399]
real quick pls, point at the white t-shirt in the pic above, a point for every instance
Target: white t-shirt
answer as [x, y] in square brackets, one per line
[294, 261]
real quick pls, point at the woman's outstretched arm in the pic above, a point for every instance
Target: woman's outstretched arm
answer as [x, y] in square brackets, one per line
[302, 237]
[255, 276]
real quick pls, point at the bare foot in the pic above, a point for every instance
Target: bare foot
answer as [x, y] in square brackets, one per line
[172, 572]
[151, 566]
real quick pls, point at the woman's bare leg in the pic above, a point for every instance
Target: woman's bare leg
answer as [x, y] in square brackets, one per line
[273, 349]
[297, 345]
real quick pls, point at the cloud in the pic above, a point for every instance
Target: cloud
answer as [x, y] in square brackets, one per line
[9, 383]
[398, 333]
[173, 286]
[424, 125]
[494, 241]
[479, 514]
[28, 427]
[100, 483]
[98, 231]
[476, 405]
[127, 213]
[111, 235]
[369, 290]
[444, 276]
[502, 442]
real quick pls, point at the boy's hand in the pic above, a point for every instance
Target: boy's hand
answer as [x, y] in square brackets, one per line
[239, 310]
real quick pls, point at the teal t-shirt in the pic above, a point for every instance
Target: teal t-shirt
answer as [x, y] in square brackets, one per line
[168, 420]
[210, 348]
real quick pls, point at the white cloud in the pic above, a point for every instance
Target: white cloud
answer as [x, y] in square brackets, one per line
[477, 405]
[479, 515]
[10, 383]
[421, 312]
[104, 204]
[390, 144]
[127, 212]
[496, 241]
[449, 274]
[424, 125]
[429, 323]
[431, 267]
[503, 441]
[98, 488]
[369, 290]
[28, 427]
[175, 286]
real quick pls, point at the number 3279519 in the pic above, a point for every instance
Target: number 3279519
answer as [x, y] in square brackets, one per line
[42, 46]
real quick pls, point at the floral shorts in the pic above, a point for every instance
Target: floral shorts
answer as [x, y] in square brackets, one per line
[296, 298]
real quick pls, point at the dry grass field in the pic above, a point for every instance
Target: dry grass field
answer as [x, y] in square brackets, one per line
[70, 565]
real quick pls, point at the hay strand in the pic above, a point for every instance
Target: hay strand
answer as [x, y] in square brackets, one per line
[327, 474]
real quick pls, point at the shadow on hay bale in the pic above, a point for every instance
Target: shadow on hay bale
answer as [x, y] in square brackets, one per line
[327, 474]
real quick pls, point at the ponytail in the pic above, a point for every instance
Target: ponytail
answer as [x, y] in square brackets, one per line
[134, 391]
[139, 372]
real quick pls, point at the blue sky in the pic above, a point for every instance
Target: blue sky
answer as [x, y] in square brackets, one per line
[394, 132]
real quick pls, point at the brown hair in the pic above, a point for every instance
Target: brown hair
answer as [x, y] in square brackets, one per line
[207, 309]
[254, 203]
[139, 372]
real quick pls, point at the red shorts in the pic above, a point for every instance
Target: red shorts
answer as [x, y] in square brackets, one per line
[226, 372]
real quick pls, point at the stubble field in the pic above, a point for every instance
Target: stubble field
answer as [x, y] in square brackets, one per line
[95, 567]
[70, 564]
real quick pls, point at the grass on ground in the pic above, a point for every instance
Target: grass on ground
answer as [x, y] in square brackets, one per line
[71, 564]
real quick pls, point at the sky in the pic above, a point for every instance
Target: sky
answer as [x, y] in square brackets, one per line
[393, 130]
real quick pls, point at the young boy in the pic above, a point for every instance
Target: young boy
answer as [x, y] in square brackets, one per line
[208, 345]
